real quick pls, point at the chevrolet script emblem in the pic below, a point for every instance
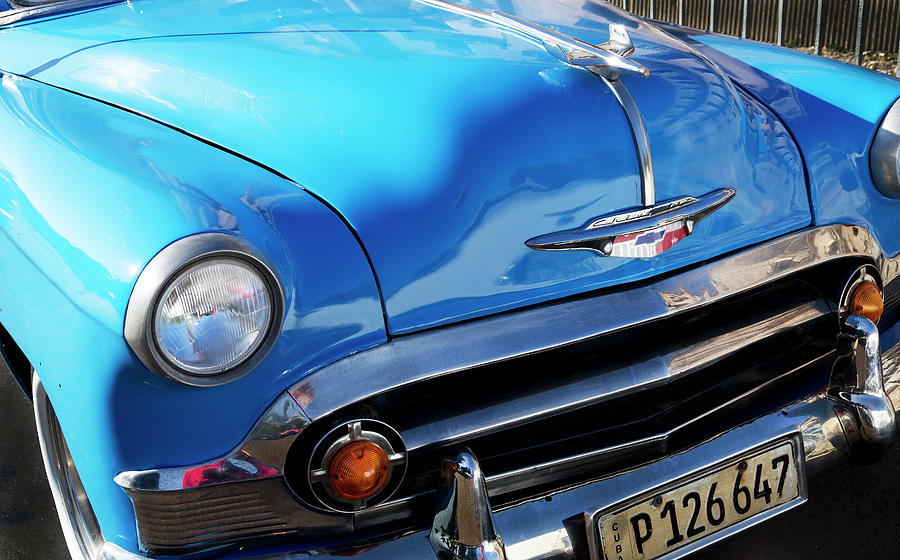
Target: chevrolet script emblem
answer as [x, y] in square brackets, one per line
[642, 232]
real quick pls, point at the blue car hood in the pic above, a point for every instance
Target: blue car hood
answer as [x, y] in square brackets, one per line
[445, 142]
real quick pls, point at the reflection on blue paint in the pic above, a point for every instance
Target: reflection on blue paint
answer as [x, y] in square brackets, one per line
[818, 76]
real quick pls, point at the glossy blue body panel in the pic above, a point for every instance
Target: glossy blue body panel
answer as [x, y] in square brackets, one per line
[444, 141]
[87, 197]
[833, 110]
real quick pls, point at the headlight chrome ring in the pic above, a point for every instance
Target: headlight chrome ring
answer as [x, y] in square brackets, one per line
[224, 286]
[885, 157]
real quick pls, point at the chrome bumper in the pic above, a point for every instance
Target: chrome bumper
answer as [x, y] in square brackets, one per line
[853, 420]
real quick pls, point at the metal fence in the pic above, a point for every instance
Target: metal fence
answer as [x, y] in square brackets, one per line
[844, 25]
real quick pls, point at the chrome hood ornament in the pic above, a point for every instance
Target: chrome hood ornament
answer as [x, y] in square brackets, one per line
[609, 60]
[643, 232]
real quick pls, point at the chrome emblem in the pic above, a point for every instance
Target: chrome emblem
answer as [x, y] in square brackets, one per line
[643, 232]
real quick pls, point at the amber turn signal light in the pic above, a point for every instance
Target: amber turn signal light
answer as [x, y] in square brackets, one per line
[866, 301]
[358, 470]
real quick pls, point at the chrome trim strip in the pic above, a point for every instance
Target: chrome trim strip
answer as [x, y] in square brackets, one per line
[554, 544]
[261, 455]
[606, 385]
[79, 526]
[641, 143]
[110, 551]
[153, 280]
[516, 480]
[884, 159]
[418, 357]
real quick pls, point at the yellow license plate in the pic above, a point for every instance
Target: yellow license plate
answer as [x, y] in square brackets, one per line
[694, 509]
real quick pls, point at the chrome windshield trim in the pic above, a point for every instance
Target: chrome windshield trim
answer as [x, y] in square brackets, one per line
[418, 357]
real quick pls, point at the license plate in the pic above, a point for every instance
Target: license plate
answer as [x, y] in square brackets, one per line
[696, 508]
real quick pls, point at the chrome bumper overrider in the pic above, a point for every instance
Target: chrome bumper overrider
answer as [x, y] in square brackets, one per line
[853, 420]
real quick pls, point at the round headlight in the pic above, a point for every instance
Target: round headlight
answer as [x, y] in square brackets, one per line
[212, 316]
[205, 310]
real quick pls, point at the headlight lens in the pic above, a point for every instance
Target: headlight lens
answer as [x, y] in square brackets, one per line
[213, 316]
[885, 156]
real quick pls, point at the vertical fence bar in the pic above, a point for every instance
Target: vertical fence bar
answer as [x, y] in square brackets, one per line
[819, 27]
[712, 16]
[780, 20]
[744, 21]
[680, 12]
[897, 71]
[652, 10]
[857, 55]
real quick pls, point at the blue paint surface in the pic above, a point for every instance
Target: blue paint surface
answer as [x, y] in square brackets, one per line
[443, 142]
[833, 110]
[87, 197]
[852, 89]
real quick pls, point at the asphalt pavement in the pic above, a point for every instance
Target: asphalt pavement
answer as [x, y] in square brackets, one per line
[29, 528]
[852, 512]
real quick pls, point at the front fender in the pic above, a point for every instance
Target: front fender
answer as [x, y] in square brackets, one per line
[88, 195]
[832, 109]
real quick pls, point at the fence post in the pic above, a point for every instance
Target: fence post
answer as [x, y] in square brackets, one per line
[744, 22]
[780, 20]
[712, 16]
[857, 56]
[819, 28]
[680, 12]
[652, 15]
[897, 71]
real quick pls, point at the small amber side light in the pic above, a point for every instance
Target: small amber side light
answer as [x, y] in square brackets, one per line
[358, 470]
[866, 301]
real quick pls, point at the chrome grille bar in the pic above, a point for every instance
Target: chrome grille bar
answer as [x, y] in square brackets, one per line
[416, 358]
[607, 385]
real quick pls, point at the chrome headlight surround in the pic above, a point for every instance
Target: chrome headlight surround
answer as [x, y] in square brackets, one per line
[162, 271]
[884, 159]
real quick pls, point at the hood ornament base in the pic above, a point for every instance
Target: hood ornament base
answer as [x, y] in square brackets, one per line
[642, 232]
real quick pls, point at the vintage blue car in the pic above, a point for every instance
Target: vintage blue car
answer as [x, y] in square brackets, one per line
[503, 279]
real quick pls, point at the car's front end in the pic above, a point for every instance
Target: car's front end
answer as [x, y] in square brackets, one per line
[416, 279]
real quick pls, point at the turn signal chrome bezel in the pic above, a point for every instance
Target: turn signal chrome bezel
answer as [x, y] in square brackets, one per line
[380, 442]
[857, 295]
